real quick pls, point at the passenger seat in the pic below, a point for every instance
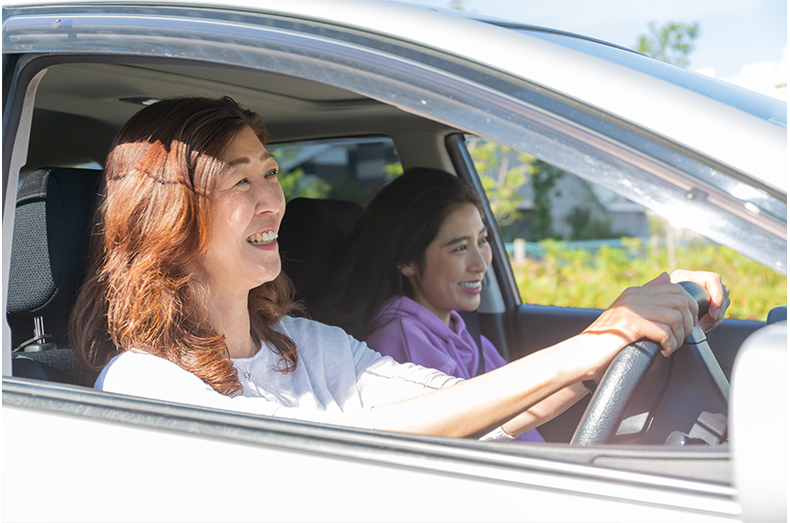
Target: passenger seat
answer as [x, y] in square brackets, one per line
[313, 234]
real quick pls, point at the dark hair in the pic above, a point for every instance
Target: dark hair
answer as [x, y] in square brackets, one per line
[151, 225]
[394, 230]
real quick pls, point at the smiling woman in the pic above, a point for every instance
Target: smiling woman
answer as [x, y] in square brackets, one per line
[246, 209]
[163, 241]
[423, 237]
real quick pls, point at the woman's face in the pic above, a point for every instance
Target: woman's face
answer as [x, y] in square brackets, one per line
[246, 210]
[455, 263]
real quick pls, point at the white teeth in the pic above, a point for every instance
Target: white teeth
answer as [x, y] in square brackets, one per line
[262, 238]
[470, 285]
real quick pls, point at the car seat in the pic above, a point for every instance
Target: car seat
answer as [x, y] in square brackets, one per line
[53, 215]
[313, 234]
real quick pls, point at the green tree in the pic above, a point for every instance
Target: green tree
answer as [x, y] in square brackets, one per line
[394, 169]
[296, 183]
[671, 43]
[586, 226]
[544, 181]
[503, 171]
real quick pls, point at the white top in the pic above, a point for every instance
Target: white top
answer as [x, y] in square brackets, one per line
[337, 379]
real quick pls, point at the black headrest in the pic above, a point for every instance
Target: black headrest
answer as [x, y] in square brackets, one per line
[312, 235]
[51, 228]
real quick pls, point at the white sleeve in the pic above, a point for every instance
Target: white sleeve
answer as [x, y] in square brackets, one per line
[166, 381]
[382, 380]
[387, 381]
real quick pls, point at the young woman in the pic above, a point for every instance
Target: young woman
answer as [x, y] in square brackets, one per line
[418, 254]
[185, 300]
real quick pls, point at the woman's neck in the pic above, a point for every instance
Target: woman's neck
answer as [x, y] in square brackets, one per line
[231, 317]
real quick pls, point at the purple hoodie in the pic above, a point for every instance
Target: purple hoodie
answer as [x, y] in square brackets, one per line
[408, 332]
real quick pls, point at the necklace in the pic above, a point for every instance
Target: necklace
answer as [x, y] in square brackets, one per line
[248, 372]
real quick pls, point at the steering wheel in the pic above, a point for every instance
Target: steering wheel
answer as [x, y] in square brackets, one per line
[640, 392]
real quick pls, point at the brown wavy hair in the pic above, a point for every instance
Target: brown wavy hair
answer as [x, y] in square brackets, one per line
[151, 227]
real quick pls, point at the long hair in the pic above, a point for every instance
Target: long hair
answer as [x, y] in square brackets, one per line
[151, 227]
[394, 230]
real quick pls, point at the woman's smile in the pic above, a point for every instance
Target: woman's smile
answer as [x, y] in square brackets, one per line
[265, 239]
[472, 287]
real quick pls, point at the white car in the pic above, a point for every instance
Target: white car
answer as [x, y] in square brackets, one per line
[712, 157]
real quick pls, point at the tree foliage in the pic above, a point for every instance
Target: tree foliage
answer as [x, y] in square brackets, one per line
[544, 181]
[671, 43]
[586, 226]
[296, 183]
[503, 171]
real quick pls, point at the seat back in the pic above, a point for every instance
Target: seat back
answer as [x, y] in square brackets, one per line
[313, 234]
[51, 230]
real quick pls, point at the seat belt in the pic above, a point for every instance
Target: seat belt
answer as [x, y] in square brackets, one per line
[472, 321]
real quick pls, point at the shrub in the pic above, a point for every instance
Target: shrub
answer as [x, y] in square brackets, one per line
[593, 279]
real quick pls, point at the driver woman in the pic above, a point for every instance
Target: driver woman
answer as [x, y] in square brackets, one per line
[185, 301]
[418, 254]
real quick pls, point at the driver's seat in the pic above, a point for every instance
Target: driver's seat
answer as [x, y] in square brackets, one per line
[54, 209]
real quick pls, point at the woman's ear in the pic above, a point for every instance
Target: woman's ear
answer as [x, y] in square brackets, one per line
[408, 270]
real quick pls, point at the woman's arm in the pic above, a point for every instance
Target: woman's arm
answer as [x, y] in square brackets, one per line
[659, 310]
[545, 410]
[562, 400]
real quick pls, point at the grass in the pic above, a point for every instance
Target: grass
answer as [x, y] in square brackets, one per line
[593, 279]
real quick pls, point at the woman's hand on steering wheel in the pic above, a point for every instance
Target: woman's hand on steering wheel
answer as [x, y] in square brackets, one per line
[658, 310]
[719, 295]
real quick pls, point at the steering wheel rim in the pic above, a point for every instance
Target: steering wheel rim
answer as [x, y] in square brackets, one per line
[621, 379]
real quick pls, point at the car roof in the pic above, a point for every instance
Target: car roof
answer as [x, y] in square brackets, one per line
[671, 102]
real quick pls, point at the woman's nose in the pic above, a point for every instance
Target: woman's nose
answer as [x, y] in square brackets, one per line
[270, 198]
[477, 261]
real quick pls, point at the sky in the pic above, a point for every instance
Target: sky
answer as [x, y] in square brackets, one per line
[733, 33]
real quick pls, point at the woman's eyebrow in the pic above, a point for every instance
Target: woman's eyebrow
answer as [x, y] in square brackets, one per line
[242, 160]
[467, 237]
[458, 239]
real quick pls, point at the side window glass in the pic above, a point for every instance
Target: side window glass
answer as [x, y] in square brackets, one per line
[574, 244]
[349, 169]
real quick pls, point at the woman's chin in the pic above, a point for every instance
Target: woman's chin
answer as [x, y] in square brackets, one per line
[469, 303]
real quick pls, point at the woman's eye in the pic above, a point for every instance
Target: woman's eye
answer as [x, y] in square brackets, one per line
[483, 240]
[460, 248]
[271, 173]
[242, 181]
